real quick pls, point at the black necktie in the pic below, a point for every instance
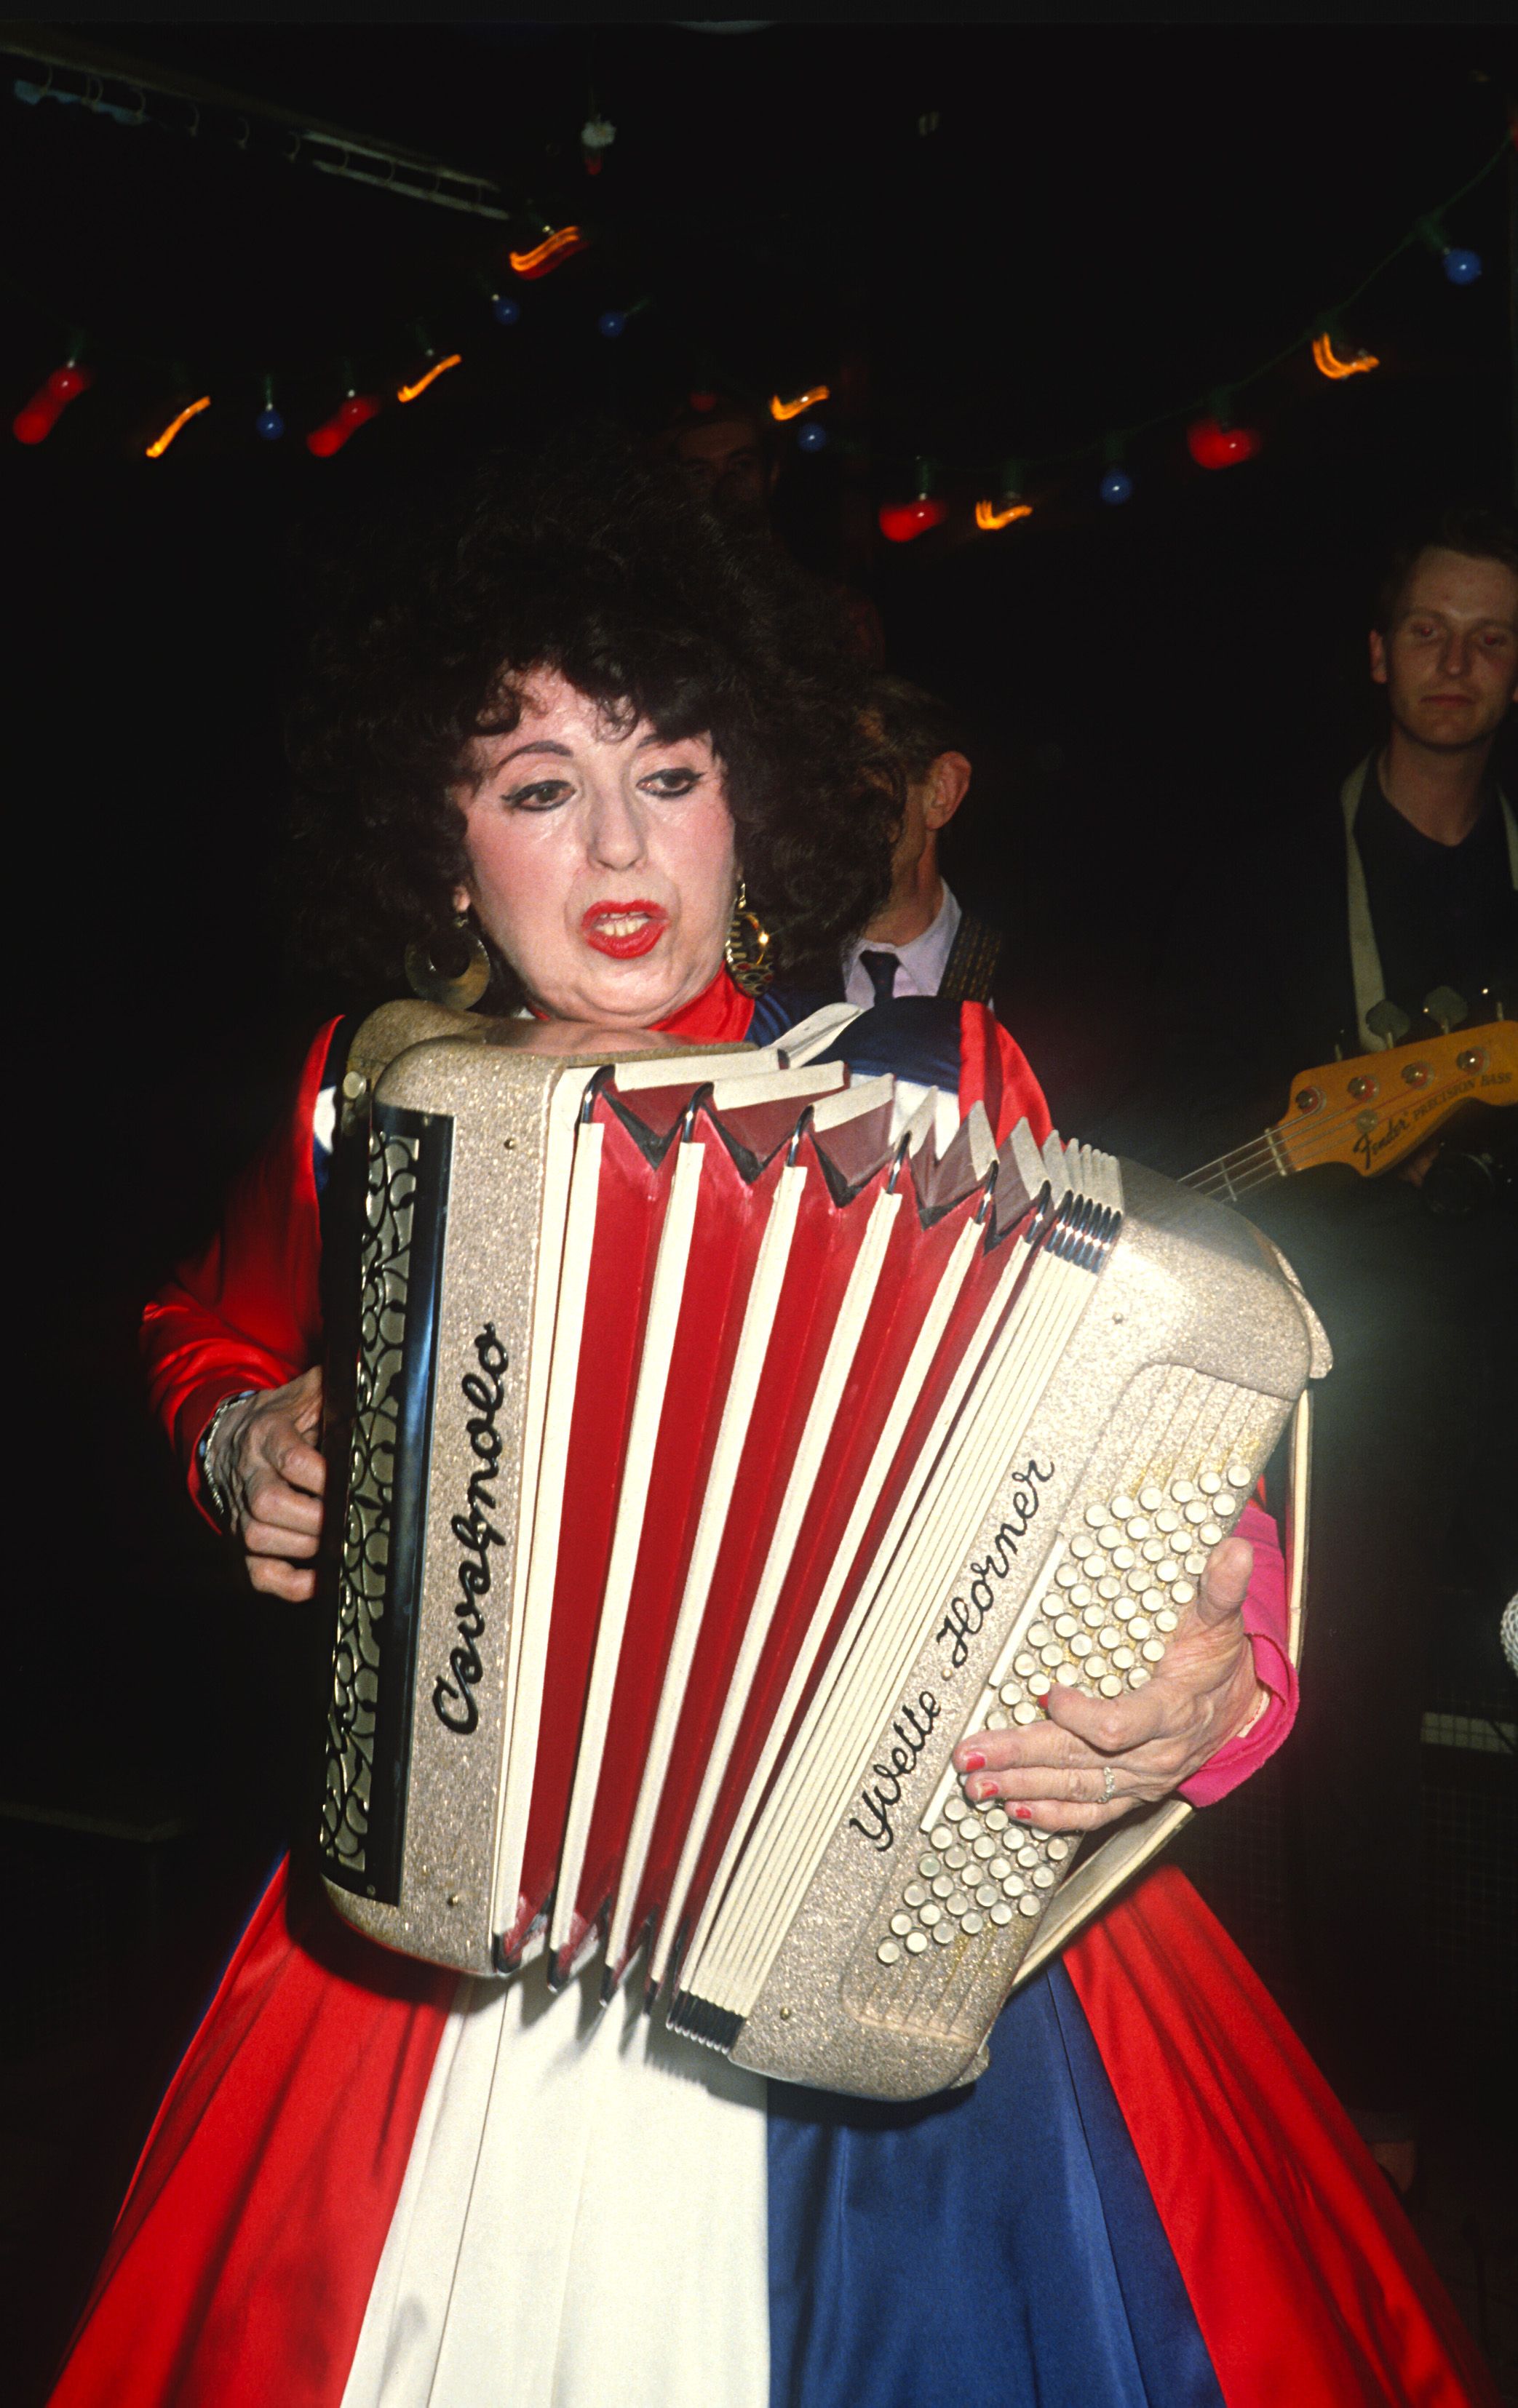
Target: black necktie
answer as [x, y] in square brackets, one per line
[880, 969]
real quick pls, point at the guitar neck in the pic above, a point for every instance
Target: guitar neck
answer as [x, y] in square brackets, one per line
[1374, 1112]
[1232, 1175]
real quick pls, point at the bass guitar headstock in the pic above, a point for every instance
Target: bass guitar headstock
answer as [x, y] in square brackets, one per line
[1376, 1110]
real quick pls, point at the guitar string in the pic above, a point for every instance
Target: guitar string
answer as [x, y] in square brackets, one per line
[1258, 1152]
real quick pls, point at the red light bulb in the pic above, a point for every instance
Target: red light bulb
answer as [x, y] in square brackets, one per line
[902, 521]
[350, 414]
[1212, 445]
[35, 422]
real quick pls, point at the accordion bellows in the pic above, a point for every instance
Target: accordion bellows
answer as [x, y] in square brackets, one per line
[720, 1438]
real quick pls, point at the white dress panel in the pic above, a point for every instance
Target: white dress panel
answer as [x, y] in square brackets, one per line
[582, 2218]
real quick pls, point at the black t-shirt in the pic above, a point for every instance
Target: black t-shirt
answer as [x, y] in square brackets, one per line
[1444, 914]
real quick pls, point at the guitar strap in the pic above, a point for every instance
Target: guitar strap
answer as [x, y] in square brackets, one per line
[1365, 955]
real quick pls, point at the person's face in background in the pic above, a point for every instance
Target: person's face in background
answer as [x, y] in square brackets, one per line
[1449, 659]
[727, 459]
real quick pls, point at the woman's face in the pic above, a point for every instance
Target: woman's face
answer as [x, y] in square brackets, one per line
[601, 860]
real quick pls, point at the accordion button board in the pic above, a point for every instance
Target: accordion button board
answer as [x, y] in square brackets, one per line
[719, 1439]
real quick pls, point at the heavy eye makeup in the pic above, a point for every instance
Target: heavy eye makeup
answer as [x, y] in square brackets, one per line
[670, 785]
[543, 795]
[550, 793]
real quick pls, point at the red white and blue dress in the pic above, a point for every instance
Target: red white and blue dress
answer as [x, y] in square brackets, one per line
[372, 2185]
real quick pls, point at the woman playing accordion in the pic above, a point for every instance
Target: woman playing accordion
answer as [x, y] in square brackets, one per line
[590, 760]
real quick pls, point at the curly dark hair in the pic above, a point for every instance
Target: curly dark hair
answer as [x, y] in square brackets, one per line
[593, 561]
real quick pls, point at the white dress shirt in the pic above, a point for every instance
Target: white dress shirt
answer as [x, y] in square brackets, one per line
[923, 961]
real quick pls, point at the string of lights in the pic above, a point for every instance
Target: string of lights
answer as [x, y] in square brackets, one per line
[1218, 434]
[1215, 438]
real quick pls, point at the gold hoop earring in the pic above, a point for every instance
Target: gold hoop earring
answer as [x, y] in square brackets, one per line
[746, 951]
[458, 989]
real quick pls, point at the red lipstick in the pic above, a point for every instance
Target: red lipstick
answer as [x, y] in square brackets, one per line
[624, 929]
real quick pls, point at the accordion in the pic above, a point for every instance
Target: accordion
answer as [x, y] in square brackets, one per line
[717, 1438]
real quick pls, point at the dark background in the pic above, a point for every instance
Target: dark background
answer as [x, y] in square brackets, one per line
[1105, 224]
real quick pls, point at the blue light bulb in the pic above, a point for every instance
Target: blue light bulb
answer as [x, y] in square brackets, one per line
[813, 436]
[1115, 486]
[505, 311]
[269, 424]
[1462, 266]
[612, 323]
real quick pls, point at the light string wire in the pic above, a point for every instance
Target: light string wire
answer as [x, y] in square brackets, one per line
[1167, 417]
[1114, 439]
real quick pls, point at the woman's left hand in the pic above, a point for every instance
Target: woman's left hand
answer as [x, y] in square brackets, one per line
[1092, 1759]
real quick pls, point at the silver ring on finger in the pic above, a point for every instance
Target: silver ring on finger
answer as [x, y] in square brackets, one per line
[1109, 1783]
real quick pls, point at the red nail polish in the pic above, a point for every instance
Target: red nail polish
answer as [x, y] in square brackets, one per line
[1023, 1813]
[972, 1762]
[987, 1789]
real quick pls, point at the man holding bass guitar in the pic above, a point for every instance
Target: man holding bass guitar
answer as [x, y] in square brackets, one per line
[1389, 920]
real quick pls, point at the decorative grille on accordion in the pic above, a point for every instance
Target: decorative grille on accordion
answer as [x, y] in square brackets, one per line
[723, 1438]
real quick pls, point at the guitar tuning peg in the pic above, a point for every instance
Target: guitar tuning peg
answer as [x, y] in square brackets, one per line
[1388, 1021]
[1447, 1008]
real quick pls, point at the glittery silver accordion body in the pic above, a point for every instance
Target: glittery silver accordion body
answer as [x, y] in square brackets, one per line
[718, 1440]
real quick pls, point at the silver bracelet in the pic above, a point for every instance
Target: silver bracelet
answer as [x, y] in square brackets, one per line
[214, 1495]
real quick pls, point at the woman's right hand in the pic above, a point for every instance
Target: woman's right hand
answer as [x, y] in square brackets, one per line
[266, 1462]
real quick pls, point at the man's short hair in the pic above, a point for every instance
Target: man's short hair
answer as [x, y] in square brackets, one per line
[1478, 533]
[916, 726]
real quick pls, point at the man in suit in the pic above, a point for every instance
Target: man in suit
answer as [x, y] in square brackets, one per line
[922, 942]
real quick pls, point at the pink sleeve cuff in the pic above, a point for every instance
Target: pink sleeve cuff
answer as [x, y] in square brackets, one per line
[1265, 1620]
